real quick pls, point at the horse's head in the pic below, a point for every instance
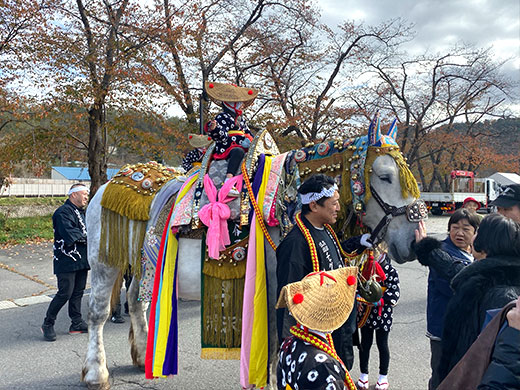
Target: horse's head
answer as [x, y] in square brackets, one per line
[383, 191]
[400, 232]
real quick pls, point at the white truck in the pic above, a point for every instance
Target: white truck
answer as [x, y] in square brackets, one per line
[463, 185]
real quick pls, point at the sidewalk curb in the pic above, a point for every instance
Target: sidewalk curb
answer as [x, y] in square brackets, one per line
[28, 301]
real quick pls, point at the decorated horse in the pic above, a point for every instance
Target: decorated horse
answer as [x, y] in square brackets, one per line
[161, 224]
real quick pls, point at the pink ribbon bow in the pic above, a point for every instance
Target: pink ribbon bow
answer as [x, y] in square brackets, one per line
[216, 213]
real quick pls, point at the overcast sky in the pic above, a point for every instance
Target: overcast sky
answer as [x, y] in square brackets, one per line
[441, 23]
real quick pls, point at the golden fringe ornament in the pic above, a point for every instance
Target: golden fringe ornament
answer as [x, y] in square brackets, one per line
[125, 211]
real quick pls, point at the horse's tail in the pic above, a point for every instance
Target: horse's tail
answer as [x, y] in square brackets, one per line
[116, 291]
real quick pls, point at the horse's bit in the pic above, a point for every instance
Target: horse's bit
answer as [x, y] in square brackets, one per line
[415, 212]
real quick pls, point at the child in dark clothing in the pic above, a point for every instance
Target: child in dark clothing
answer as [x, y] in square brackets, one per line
[377, 318]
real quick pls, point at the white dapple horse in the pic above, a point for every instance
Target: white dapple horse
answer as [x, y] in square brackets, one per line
[385, 212]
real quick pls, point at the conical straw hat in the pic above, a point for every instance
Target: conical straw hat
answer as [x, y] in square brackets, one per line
[199, 140]
[321, 301]
[220, 92]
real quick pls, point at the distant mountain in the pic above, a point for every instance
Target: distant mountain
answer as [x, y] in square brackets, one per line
[503, 134]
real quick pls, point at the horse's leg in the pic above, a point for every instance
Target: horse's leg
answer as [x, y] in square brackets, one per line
[139, 324]
[95, 370]
[102, 278]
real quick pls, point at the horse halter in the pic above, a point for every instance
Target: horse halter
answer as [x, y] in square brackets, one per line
[415, 212]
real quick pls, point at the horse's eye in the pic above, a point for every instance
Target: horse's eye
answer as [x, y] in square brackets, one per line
[386, 178]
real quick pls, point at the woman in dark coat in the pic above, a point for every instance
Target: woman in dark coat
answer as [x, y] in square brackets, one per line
[486, 284]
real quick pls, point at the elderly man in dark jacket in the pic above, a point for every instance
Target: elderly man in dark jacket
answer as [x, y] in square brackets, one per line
[70, 261]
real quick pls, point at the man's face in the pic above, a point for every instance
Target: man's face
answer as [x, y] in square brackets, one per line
[79, 199]
[461, 234]
[328, 212]
[471, 206]
[511, 212]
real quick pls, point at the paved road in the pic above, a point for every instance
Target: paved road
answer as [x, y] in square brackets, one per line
[29, 362]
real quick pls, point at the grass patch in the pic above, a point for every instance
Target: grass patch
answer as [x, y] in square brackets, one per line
[36, 201]
[24, 230]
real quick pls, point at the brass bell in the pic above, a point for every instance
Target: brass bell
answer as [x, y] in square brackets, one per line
[359, 207]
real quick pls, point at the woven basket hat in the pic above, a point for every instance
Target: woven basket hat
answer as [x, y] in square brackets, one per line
[321, 301]
[199, 140]
[220, 92]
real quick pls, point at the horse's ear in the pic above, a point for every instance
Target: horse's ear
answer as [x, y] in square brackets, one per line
[392, 131]
[374, 130]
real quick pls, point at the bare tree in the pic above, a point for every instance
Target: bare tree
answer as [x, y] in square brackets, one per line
[430, 91]
[307, 71]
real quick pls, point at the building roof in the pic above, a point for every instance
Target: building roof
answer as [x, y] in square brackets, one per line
[80, 173]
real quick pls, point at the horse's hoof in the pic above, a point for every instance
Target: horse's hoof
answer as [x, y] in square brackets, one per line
[101, 386]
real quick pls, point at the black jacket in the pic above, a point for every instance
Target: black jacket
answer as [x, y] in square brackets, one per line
[293, 264]
[503, 371]
[444, 260]
[487, 284]
[70, 239]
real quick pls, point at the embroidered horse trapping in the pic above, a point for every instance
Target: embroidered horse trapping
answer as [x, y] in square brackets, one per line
[222, 296]
[151, 245]
[162, 344]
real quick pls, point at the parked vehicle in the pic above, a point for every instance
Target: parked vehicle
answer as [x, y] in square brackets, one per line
[463, 185]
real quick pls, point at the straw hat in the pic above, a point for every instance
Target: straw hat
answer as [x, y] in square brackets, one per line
[199, 140]
[220, 92]
[321, 301]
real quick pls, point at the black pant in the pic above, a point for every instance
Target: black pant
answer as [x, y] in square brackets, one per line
[436, 351]
[127, 277]
[367, 337]
[71, 286]
[235, 157]
[343, 340]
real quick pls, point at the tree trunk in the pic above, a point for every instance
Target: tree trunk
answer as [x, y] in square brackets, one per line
[421, 175]
[97, 166]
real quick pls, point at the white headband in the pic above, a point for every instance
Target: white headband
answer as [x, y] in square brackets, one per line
[315, 196]
[77, 189]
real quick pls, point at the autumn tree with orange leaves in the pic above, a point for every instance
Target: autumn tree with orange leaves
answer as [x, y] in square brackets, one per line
[83, 56]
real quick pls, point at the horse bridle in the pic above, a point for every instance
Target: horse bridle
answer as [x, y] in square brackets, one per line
[415, 212]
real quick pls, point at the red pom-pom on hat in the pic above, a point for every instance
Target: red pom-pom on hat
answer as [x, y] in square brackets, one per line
[209, 138]
[250, 92]
[190, 137]
[298, 298]
[211, 85]
[351, 280]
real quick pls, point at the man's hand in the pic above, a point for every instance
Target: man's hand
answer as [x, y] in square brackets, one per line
[513, 316]
[420, 232]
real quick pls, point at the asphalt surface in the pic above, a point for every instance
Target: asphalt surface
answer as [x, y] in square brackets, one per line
[28, 362]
